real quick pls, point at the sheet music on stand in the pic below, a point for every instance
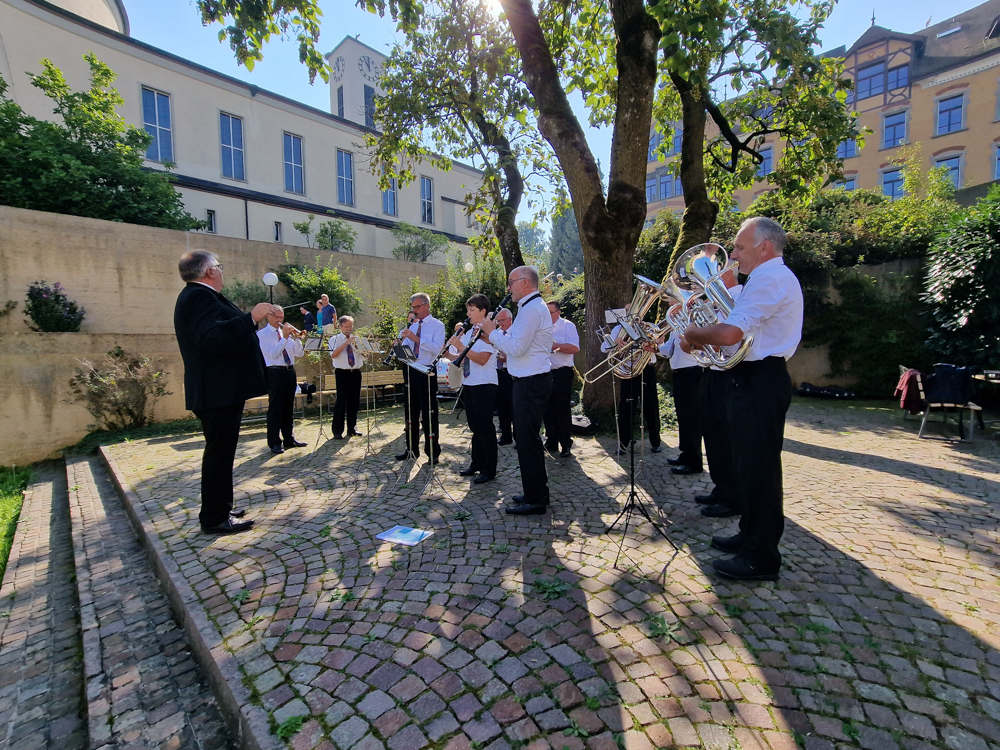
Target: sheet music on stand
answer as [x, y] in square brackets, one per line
[313, 344]
[365, 346]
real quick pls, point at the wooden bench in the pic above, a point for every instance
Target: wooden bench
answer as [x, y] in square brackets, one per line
[256, 408]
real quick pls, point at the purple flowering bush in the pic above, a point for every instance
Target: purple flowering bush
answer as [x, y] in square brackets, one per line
[50, 310]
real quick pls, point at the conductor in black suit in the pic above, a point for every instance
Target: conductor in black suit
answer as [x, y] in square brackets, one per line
[223, 367]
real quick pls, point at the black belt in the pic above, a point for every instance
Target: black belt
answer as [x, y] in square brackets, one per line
[280, 367]
[347, 369]
[527, 377]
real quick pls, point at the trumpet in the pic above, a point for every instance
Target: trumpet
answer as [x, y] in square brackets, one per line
[291, 332]
[389, 357]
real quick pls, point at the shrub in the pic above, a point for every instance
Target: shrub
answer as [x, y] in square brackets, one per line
[415, 243]
[963, 287]
[456, 284]
[305, 284]
[50, 310]
[121, 391]
[246, 294]
[336, 235]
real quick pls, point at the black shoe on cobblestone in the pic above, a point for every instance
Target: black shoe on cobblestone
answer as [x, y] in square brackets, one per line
[525, 509]
[730, 544]
[740, 569]
[719, 511]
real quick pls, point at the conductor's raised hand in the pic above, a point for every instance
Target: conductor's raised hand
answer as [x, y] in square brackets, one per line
[261, 310]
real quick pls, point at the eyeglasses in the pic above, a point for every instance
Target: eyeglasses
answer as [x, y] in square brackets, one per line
[511, 282]
[415, 305]
[217, 265]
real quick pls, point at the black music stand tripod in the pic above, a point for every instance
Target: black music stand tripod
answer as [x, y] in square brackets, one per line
[633, 502]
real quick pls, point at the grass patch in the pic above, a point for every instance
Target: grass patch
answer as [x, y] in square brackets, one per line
[94, 440]
[13, 480]
[548, 589]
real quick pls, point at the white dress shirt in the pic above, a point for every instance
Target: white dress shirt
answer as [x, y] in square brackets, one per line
[528, 341]
[770, 307]
[563, 332]
[679, 359]
[272, 344]
[478, 374]
[431, 339]
[341, 361]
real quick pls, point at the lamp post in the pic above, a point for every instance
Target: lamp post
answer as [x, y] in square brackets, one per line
[270, 280]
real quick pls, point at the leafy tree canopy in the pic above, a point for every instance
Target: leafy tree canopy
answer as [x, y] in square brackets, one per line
[90, 164]
[305, 284]
[416, 243]
[565, 250]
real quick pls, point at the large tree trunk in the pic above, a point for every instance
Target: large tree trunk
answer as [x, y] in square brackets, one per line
[505, 225]
[699, 210]
[609, 229]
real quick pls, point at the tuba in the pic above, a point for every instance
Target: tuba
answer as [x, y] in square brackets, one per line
[624, 359]
[701, 298]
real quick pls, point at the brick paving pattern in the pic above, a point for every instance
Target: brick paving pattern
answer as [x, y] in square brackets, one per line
[501, 633]
[41, 689]
[143, 686]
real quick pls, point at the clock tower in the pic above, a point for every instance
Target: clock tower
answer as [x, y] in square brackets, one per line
[355, 76]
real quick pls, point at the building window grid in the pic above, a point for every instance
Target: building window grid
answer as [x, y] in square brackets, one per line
[949, 115]
[340, 102]
[766, 166]
[369, 107]
[156, 121]
[848, 183]
[847, 149]
[389, 205]
[898, 77]
[894, 130]
[294, 175]
[678, 138]
[426, 200]
[650, 189]
[954, 166]
[345, 177]
[231, 139]
[892, 183]
[996, 162]
[666, 186]
[655, 139]
[210, 225]
[277, 231]
[871, 81]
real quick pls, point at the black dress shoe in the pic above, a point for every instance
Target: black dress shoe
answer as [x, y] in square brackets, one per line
[505, 440]
[484, 478]
[675, 462]
[355, 433]
[684, 470]
[338, 437]
[405, 455]
[709, 499]
[517, 499]
[656, 448]
[719, 511]
[730, 544]
[295, 444]
[238, 513]
[277, 449]
[741, 569]
[229, 526]
[566, 453]
[468, 472]
[525, 509]
[551, 445]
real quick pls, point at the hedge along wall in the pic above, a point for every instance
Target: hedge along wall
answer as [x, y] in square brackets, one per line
[125, 276]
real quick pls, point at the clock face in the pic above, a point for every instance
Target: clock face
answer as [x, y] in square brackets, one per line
[370, 69]
[339, 68]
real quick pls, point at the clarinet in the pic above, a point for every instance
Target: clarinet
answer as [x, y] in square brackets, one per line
[463, 327]
[479, 331]
[389, 357]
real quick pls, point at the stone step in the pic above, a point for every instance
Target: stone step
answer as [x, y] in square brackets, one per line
[144, 689]
[41, 683]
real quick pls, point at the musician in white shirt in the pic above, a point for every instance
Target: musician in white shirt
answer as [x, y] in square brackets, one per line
[527, 344]
[479, 390]
[558, 414]
[425, 336]
[769, 307]
[280, 345]
[347, 364]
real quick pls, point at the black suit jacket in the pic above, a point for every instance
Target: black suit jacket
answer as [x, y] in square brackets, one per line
[223, 364]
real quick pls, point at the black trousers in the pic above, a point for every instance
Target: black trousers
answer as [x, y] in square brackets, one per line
[505, 405]
[716, 393]
[421, 407]
[280, 404]
[558, 412]
[479, 403]
[628, 406]
[761, 394]
[531, 397]
[348, 399]
[221, 427]
[687, 395]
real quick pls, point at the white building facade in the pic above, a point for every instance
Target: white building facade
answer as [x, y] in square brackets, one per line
[248, 161]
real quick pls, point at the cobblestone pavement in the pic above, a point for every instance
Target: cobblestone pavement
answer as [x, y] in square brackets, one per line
[143, 686]
[501, 632]
[41, 689]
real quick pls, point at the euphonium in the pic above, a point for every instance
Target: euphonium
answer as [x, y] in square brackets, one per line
[703, 299]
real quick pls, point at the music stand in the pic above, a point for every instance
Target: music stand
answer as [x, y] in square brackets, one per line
[633, 503]
[368, 349]
[316, 344]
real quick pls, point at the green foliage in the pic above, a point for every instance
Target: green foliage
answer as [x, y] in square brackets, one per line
[305, 228]
[565, 249]
[50, 310]
[290, 726]
[656, 245]
[13, 481]
[120, 391]
[550, 588]
[246, 294]
[457, 284]
[416, 243]
[391, 314]
[963, 287]
[660, 628]
[569, 292]
[90, 163]
[336, 235]
[534, 244]
[307, 283]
